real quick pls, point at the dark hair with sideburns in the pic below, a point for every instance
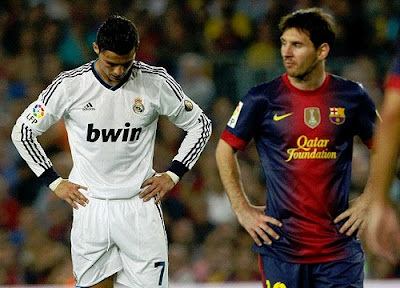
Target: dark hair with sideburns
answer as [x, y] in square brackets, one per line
[117, 34]
[314, 22]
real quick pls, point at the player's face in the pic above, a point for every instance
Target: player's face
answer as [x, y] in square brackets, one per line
[299, 55]
[113, 67]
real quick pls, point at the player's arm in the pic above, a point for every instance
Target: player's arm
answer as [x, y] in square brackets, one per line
[250, 217]
[383, 226]
[25, 141]
[188, 116]
[387, 149]
[198, 131]
[356, 215]
[37, 118]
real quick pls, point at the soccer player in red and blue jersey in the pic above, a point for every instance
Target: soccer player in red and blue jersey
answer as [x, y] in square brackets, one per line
[303, 124]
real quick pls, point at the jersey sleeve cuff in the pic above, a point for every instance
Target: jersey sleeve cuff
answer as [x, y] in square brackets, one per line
[369, 143]
[53, 185]
[178, 168]
[393, 81]
[48, 176]
[233, 140]
[173, 176]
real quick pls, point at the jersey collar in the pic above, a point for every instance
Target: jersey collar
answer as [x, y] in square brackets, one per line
[104, 83]
[307, 92]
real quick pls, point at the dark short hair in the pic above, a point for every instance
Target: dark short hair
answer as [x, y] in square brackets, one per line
[318, 25]
[117, 34]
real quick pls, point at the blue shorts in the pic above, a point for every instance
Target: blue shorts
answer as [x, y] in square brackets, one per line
[343, 273]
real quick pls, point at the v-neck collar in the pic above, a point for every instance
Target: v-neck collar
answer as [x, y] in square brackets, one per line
[104, 83]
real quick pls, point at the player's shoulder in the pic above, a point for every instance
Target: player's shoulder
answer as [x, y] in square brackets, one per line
[340, 82]
[155, 78]
[150, 71]
[76, 72]
[73, 77]
[264, 91]
[69, 80]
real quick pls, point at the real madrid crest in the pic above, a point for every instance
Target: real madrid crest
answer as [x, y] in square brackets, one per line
[138, 106]
[188, 105]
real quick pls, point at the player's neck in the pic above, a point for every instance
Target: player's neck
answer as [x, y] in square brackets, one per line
[310, 81]
[103, 75]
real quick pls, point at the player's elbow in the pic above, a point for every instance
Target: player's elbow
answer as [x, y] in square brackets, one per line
[207, 127]
[16, 134]
[223, 152]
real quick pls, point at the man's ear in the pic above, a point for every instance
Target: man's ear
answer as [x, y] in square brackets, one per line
[96, 48]
[323, 51]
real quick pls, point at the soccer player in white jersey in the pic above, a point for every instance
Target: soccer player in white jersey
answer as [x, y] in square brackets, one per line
[111, 107]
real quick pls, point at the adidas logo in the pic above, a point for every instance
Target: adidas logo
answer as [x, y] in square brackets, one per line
[88, 107]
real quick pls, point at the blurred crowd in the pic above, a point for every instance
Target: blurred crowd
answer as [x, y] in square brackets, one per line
[217, 50]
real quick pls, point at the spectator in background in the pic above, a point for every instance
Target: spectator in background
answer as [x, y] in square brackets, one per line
[176, 37]
[9, 267]
[194, 77]
[226, 33]
[262, 52]
[227, 30]
[218, 247]
[351, 27]
[150, 36]
[40, 255]
[255, 9]
[182, 232]
[9, 206]
[363, 70]
[61, 274]
[180, 270]
[74, 45]
[245, 266]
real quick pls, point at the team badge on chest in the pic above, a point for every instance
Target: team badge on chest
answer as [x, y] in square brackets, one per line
[138, 106]
[336, 115]
[312, 117]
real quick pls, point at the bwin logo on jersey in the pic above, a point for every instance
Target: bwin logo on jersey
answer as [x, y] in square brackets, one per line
[113, 135]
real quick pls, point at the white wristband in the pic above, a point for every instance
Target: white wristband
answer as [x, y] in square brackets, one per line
[53, 185]
[173, 176]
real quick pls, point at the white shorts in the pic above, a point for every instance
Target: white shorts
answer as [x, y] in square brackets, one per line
[125, 236]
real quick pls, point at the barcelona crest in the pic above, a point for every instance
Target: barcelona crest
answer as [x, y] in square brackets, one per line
[336, 115]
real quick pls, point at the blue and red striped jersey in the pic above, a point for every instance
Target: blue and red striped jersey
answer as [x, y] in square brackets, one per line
[304, 140]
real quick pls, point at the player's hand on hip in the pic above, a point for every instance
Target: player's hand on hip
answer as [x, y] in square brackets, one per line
[356, 215]
[69, 192]
[254, 220]
[157, 186]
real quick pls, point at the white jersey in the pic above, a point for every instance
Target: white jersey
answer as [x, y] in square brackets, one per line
[112, 129]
